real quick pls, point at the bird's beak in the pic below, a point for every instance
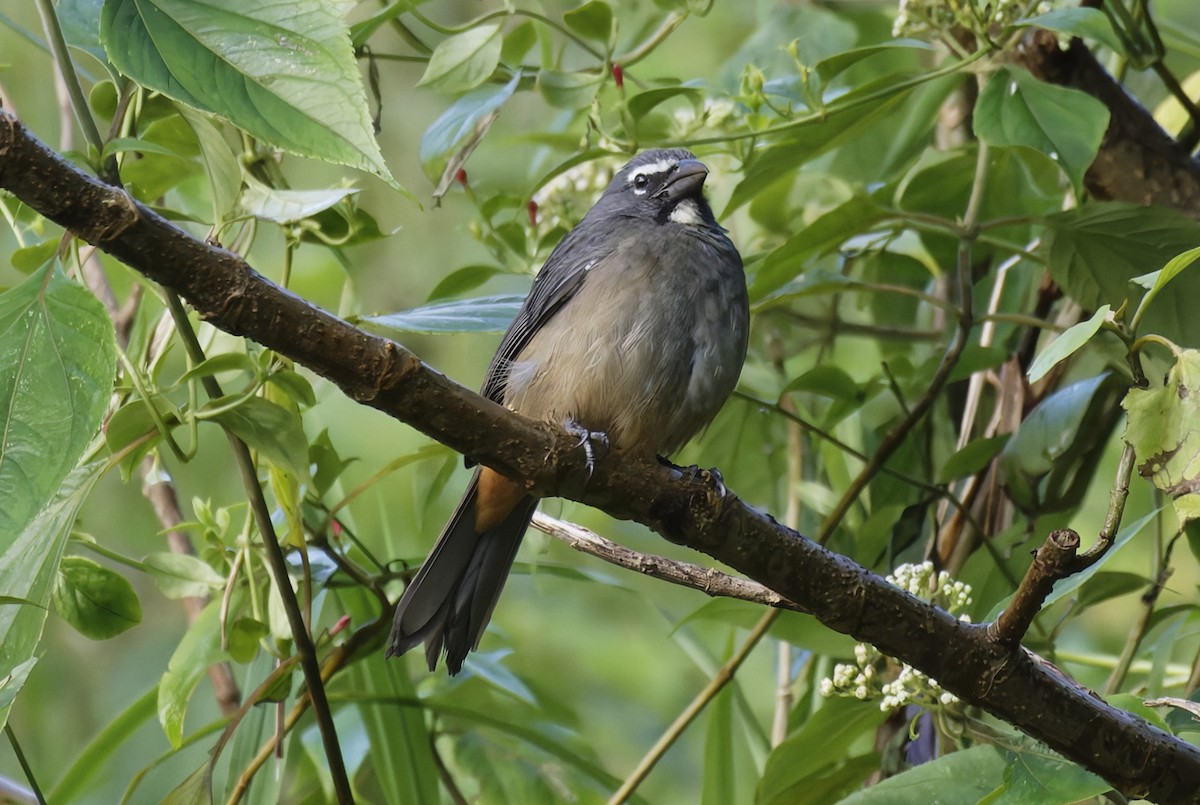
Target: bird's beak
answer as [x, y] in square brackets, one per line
[685, 180]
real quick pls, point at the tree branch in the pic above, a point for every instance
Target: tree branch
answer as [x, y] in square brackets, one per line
[1138, 162]
[1014, 685]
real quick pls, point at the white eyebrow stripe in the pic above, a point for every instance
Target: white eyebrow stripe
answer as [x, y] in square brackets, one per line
[654, 167]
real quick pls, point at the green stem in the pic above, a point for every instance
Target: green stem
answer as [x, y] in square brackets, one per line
[278, 566]
[58, 46]
[21, 760]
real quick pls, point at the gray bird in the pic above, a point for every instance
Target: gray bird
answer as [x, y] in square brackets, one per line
[636, 328]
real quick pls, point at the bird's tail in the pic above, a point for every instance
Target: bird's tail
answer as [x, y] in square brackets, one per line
[449, 602]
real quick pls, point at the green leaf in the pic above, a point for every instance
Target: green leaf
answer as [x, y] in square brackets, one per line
[244, 635]
[57, 343]
[1067, 344]
[1164, 431]
[820, 746]
[181, 576]
[1094, 253]
[295, 386]
[1163, 276]
[965, 776]
[719, 784]
[973, 457]
[97, 601]
[812, 136]
[1048, 432]
[199, 648]
[464, 61]
[400, 743]
[484, 314]
[29, 563]
[289, 206]
[283, 72]
[221, 362]
[827, 381]
[30, 258]
[832, 66]
[101, 749]
[592, 20]
[457, 282]
[1086, 23]
[569, 90]
[462, 125]
[221, 165]
[852, 217]
[270, 429]
[643, 103]
[12, 682]
[517, 43]
[1016, 109]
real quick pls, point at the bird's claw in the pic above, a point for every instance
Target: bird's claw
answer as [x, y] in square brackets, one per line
[710, 477]
[593, 442]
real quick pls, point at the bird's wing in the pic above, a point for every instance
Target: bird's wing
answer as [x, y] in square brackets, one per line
[559, 280]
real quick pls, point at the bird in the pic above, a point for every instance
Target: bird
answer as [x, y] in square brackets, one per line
[633, 334]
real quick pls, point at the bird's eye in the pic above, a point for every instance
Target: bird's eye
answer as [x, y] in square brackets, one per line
[640, 181]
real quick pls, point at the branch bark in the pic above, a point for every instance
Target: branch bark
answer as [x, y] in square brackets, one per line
[1012, 684]
[1137, 162]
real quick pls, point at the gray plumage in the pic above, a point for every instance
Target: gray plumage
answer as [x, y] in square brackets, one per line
[636, 327]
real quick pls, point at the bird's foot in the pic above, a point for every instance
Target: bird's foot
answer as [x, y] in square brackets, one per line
[594, 443]
[709, 477]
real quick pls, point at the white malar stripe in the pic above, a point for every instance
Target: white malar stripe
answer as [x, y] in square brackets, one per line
[686, 212]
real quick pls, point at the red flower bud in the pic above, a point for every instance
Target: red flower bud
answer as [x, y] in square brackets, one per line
[461, 177]
[532, 209]
[618, 76]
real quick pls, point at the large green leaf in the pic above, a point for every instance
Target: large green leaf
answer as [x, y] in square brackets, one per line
[28, 567]
[819, 747]
[284, 72]
[1164, 431]
[986, 774]
[58, 342]
[1016, 109]
[1094, 253]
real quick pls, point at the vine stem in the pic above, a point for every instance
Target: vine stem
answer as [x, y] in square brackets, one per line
[721, 678]
[305, 649]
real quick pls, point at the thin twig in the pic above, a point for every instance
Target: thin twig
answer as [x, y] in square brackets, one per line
[707, 580]
[722, 677]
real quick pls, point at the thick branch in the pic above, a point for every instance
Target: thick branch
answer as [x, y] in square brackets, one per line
[1051, 562]
[1138, 162]
[1132, 755]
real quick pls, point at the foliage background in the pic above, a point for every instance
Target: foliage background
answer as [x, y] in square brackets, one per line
[603, 656]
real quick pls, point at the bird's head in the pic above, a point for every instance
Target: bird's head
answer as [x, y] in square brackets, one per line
[664, 185]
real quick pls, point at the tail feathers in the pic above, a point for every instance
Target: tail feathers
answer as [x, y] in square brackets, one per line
[449, 602]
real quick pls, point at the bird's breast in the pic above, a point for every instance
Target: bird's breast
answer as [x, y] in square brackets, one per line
[647, 350]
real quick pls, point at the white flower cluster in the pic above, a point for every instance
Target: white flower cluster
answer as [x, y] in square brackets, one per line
[563, 200]
[920, 16]
[952, 596]
[874, 676]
